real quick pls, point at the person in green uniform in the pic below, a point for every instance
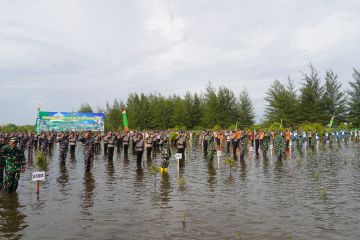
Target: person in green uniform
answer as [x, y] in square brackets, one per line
[14, 160]
[165, 154]
[211, 149]
[279, 145]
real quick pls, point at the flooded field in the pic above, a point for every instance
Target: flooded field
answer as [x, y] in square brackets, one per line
[310, 195]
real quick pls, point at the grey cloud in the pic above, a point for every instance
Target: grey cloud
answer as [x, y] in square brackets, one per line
[59, 54]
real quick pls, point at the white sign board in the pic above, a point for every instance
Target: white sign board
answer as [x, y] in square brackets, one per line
[38, 176]
[219, 153]
[178, 155]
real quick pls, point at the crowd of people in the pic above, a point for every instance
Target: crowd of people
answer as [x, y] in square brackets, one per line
[236, 144]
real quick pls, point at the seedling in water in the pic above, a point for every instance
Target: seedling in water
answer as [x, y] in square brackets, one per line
[40, 157]
[238, 235]
[154, 171]
[231, 162]
[323, 193]
[317, 176]
[181, 182]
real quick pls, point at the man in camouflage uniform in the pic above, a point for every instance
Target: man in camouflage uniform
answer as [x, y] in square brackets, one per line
[165, 154]
[279, 145]
[88, 143]
[30, 145]
[211, 149]
[243, 142]
[265, 143]
[63, 141]
[44, 143]
[14, 160]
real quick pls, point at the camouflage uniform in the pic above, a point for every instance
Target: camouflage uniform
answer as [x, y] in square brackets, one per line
[44, 144]
[279, 145]
[265, 143]
[30, 146]
[88, 151]
[243, 146]
[14, 160]
[63, 147]
[165, 154]
[211, 149]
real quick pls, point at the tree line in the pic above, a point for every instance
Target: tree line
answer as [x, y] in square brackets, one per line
[216, 107]
[315, 101]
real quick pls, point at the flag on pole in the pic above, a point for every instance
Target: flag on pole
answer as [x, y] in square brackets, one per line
[125, 121]
[331, 121]
[36, 127]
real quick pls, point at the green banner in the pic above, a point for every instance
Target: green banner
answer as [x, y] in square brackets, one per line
[69, 121]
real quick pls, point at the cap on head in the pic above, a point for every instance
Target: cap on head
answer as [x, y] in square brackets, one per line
[13, 140]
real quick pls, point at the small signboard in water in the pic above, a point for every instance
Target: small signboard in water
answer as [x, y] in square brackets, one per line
[178, 155]
[38, 176]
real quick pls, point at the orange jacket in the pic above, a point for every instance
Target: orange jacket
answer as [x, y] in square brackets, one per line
[287, 135]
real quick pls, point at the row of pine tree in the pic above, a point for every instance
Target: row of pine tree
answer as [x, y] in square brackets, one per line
[315, 100]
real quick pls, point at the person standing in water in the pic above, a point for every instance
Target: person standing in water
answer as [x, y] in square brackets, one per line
[14, 160]
[139, 147]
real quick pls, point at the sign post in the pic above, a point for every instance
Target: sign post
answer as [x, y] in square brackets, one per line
[178, 156]
[38, 176]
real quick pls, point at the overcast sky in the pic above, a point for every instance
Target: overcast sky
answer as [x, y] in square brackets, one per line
[58, 54]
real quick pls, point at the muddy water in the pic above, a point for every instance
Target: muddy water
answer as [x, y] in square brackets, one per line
[310, 195]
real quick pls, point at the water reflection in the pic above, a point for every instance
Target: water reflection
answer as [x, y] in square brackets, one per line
[12, 219]
[211, 176]
[126, 161]
[279, 168]
[110, 170]
[243, 170]
[139, 179]
[266, 165]
[182, 165]
[63, 179]
[88, 191]
[298, 200]
[165, 188]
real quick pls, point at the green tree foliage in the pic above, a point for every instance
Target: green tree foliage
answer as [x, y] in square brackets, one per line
[154, 111]
[227, 112]
[86, 108]
[210, 117]
[334, 99]
[354, 99]
[8, 128]
[311, 105]
[282, 104]
[245, 110]
[113, 118]
[220, 107]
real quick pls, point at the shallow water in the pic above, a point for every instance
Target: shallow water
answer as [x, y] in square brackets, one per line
[310, 195]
